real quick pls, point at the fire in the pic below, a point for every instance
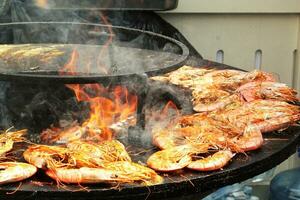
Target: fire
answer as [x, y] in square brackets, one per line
[107, 105]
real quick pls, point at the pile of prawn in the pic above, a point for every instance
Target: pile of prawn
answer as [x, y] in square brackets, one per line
[233, 109]
[85, 162]
[75, 162]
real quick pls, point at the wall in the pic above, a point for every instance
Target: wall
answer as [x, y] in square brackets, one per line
[239, 29]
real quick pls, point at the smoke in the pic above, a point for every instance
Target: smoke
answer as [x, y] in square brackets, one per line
[101, 50]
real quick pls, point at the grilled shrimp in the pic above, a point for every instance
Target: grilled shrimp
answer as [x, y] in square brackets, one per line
[63, 136]
[251, 139]
[226, 73]
[47, 157]
[267, 90]
[174, 158]
[234, 79]
[89, 154]
[132, 172]
[189, 77]
[6, 146]
[279, 123]
[7, 140]
[83, 175]
[213, 162]
[217, 105]
[266, 114]
[168, 138]
[121, 172]
[15, 171]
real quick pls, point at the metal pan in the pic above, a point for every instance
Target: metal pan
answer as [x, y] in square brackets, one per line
[39, 50]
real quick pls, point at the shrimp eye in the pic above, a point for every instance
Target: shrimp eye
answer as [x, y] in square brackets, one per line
[115, 176]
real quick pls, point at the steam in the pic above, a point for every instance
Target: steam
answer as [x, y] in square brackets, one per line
[102, 51]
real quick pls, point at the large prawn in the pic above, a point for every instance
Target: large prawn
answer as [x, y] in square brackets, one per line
[214, 162]
[174, 158]
[48, 157]
[88, 154]
[15, 171]
[268, 115]
[121, 172]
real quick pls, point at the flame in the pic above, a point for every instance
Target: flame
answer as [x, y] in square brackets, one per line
[107, 105]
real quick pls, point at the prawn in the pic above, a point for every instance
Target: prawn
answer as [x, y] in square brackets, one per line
[8, 138]
[214, 162]
[83, 175]
[252, 139]
[267, 90]
[266, 114]
[89, 154]
[63, 136]
[174, 158]
[121, 172]
[15, 171]
[48, 157]
[133, 172]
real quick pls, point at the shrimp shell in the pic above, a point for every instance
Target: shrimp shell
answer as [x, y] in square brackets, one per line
[213, 162]
[15, 171]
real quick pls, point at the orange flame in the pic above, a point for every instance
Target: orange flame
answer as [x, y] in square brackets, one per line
[107, 106]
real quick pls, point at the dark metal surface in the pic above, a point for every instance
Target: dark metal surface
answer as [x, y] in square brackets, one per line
[277, 147]
[184, 184]
[144, 59]
[108, 4]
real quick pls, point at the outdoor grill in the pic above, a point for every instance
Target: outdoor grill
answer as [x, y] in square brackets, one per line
[142, 45]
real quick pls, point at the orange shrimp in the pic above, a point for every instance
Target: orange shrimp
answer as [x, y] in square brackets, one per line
[83, 175]
[214, 162]
[165, 139]
[8, 138]
[133, 172]
[45, 157]
[217, 105]
[267, 114]
[63, 136]
[234, 80]
[279, 123]
[89, 154]
[15, 171]
[121, 172]
[267, 90]
[251, 139]
[174, 158]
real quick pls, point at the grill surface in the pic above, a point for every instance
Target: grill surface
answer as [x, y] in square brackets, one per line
[184, 184]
